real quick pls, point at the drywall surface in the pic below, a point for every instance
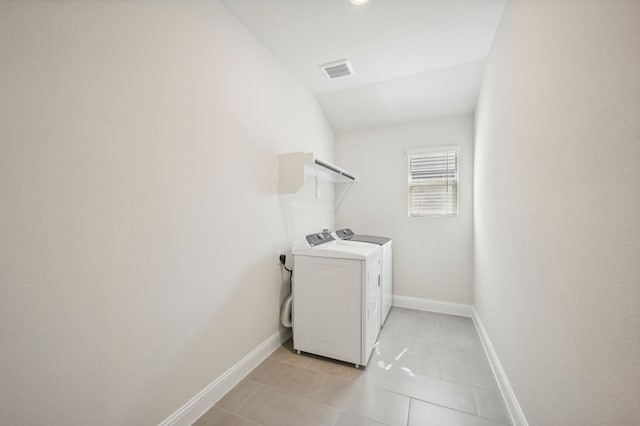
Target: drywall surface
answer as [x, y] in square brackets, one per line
[557, 209]
[139, 214]
[432, 255]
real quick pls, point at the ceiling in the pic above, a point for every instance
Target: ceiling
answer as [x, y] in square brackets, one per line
[413, 59]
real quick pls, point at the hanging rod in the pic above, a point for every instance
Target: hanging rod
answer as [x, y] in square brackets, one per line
[295, 167]
[334, 169]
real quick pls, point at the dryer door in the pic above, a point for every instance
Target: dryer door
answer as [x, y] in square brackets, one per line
[387, 282]
[372, 307]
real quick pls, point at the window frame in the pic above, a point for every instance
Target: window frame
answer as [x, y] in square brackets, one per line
[426, 151]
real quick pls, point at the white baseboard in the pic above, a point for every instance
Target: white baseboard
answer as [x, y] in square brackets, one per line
[207, 397]
[431, 305]
[517, 416]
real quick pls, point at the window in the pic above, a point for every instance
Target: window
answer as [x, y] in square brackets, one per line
[433, 182]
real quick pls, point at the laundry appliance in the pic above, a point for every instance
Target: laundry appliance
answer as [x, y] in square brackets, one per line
[386, 246]
[336, 298]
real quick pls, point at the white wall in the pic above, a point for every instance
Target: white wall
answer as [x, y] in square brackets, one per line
[139, 219]
[557, 208]
[432, 256]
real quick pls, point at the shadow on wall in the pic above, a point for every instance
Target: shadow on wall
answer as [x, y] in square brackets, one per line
[302, 212]
[214, 340]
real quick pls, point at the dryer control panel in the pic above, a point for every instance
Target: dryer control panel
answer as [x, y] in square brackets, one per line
[319, 238]
[344, 234]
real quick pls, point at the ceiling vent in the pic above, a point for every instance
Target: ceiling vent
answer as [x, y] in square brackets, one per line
[337, 69]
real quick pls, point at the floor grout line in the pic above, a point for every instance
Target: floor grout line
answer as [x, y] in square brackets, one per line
[324, 380]
[253, 392]
[238, 415]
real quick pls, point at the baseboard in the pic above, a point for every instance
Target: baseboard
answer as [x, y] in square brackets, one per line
[207, 397]
[517, 416]
[431, 305]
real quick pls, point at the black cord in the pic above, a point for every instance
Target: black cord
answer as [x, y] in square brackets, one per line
[283, 259]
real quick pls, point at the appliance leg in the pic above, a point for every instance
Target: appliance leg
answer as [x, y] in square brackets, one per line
[298, 352]
[357, 365]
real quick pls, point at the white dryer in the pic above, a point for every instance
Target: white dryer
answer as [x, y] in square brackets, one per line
[336, 298]
[385, 244]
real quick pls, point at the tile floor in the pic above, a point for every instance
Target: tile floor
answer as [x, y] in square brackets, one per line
[426, 369]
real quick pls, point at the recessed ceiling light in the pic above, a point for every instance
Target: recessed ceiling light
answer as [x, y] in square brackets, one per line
[359, 2]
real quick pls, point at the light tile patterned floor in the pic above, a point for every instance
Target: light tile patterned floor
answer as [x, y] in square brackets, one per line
[426, 369]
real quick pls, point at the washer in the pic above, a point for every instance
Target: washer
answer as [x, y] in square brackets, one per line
[336, 298]
[385, 244]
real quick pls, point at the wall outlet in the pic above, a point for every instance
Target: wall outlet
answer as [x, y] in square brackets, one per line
[280, 253]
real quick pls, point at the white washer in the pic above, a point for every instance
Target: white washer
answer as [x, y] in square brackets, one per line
[336, 298]
[385, 244]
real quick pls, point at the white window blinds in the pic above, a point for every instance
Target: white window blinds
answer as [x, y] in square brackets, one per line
[433, 182]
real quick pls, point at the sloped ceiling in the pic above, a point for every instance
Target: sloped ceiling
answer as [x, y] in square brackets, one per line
[413, 59]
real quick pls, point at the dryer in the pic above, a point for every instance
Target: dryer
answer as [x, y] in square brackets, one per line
[336, 298]
[385, 244]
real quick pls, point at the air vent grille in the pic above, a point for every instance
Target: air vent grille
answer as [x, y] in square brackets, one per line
[337, 69]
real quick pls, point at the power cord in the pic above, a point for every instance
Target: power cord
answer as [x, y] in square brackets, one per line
[283, 259]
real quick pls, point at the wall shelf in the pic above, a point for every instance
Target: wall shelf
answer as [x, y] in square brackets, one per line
[295, 167]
